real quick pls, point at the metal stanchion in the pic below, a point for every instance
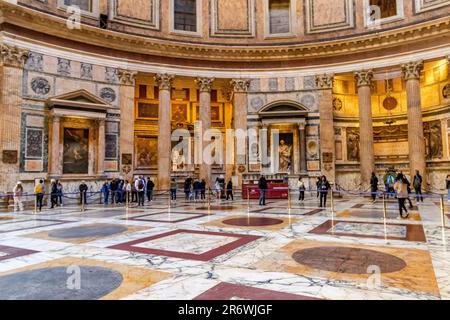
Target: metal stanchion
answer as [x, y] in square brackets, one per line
[209, 200]
[170, 198]
[248, 198]
[332, 201]
[384, 206]
[442, 212]
[289, 199]
[127, 199]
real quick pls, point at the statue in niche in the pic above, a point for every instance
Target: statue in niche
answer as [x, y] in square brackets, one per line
[178, 160]
[352, 145]
[285, 155]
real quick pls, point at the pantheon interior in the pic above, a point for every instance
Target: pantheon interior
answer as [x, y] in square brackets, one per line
[94, 90]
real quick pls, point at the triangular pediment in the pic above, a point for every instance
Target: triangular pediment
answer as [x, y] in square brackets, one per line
[79, 99]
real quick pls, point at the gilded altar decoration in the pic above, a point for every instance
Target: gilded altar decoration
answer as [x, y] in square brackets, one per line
[337, 104]
[446, 91]
[76, 151]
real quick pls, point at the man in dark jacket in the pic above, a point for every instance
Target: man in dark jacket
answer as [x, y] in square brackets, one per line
[150, 187]
[203, 189]
[230, 190]
[374, 186]
[54, 193]
[324, 186]
[417, 184]
[83, 192]
[262, 185]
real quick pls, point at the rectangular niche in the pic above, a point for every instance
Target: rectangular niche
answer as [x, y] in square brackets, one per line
[76, 151]
[377, 12]
[238, 24]
[425, 5]
[327, 16]
[34, 143]
[139, 13]
[87, 7]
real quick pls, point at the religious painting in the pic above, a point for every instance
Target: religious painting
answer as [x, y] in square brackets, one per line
[127, 159]
[285, 151]
[147, 111]
[217, 113]
[146, 152]
[76, 151]
[179, 113]
[352, 144]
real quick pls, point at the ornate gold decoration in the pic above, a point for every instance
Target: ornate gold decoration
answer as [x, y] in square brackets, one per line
[446, 91]
[337, 104]
[164, 80]
[13, 56]
[204, 84]
[240, 85]
[412, 70]
[364, 78]
[325, 81]
[127, 77]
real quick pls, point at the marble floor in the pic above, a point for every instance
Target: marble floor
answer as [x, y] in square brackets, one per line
[228, 250]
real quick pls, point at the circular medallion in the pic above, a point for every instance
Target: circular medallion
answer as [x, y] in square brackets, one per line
[253, 222]
[348, 260]
[390, 103]
[108, 94]
[446, 91]
[40, 86]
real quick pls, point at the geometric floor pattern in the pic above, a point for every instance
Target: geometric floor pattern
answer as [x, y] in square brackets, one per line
[226, 251]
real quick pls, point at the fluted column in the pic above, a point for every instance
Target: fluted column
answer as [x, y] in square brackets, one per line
[367, 158]
[55, 149]
[127, 81]
[12, 60]
[411, 74]
[302, 138]
[205, 85]
[240, 87]
[164, 82]
[327, 144]
[101, 147]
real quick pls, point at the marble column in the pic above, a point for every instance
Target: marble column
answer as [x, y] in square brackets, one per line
[205, 85]
[302, 138]
[411, 74]
[127, 88]
[324, 84]
[101, 147]
[164, 81]
[55, 148]
[240, 87]
[296, 150]
[12, 60]
[367, 159]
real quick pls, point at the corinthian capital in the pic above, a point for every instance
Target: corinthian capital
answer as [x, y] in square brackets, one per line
[127, 77]
[325, 81]
[204, 84]
[240, 85]
[412, 70]
[364, 78]
[13, 56]
[164, 80]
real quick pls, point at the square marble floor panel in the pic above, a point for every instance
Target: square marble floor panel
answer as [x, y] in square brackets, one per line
[376, 214]
[378, 230]
[188, 244]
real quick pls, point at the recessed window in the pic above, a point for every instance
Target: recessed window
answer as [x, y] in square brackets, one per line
[279, 16]
[383, 11]
[388, 8]
[185, 15]
[87, 7]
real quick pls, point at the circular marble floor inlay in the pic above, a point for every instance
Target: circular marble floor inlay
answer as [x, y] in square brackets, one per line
[348, 260]
[87, 232]
[56, 284]
[253, 222]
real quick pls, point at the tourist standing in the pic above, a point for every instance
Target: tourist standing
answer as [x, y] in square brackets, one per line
[113, 189]
[324, 186]
[83, 192]
[218, 189]
[389, 183]
[134, 193]
[401, 188]
[230, 190]
[105, 192]
[39, 191]
[318, 181]
[140, 189]
[374, 186]
[262, 185]
[197, 189]
[59, 188]
[301, 189]
[173, 190]
[203, 189]
[127, 191]
[408, 188]
[53, 193]
[417, 184]
[150, 187]
[187, 188]
[18, 193]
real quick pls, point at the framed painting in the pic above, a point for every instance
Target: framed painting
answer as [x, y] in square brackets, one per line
[147, 110]
[76, 151]
[146, 153]
[179, 112]
[217, 113]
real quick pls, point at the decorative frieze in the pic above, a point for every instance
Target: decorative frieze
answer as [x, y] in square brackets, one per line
[364, 78]
[35, 62]
[324, 81]
[13, 56]
[86, 71]
[127, 77]
[204, 84]
[240, 85]
[412, 70]
[164, 80]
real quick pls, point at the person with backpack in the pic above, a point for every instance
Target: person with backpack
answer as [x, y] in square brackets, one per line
[324, 186]
[230, 190]
[105, 192]
[39, 191]
[374, 186]
[53, 194]
[389, 183]
[262, 185]
[18, 193]
[59, 193]
[140, 189]
[417, 184]
[301, 189]
[401, 188]
[150, 187]
[83, 192]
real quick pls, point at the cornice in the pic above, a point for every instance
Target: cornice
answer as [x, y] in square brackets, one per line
[56, 26]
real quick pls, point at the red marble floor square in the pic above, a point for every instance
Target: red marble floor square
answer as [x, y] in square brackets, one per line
[412, 232]
[7, 252]
[229, 291]
[148, 217]
[171, 248]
